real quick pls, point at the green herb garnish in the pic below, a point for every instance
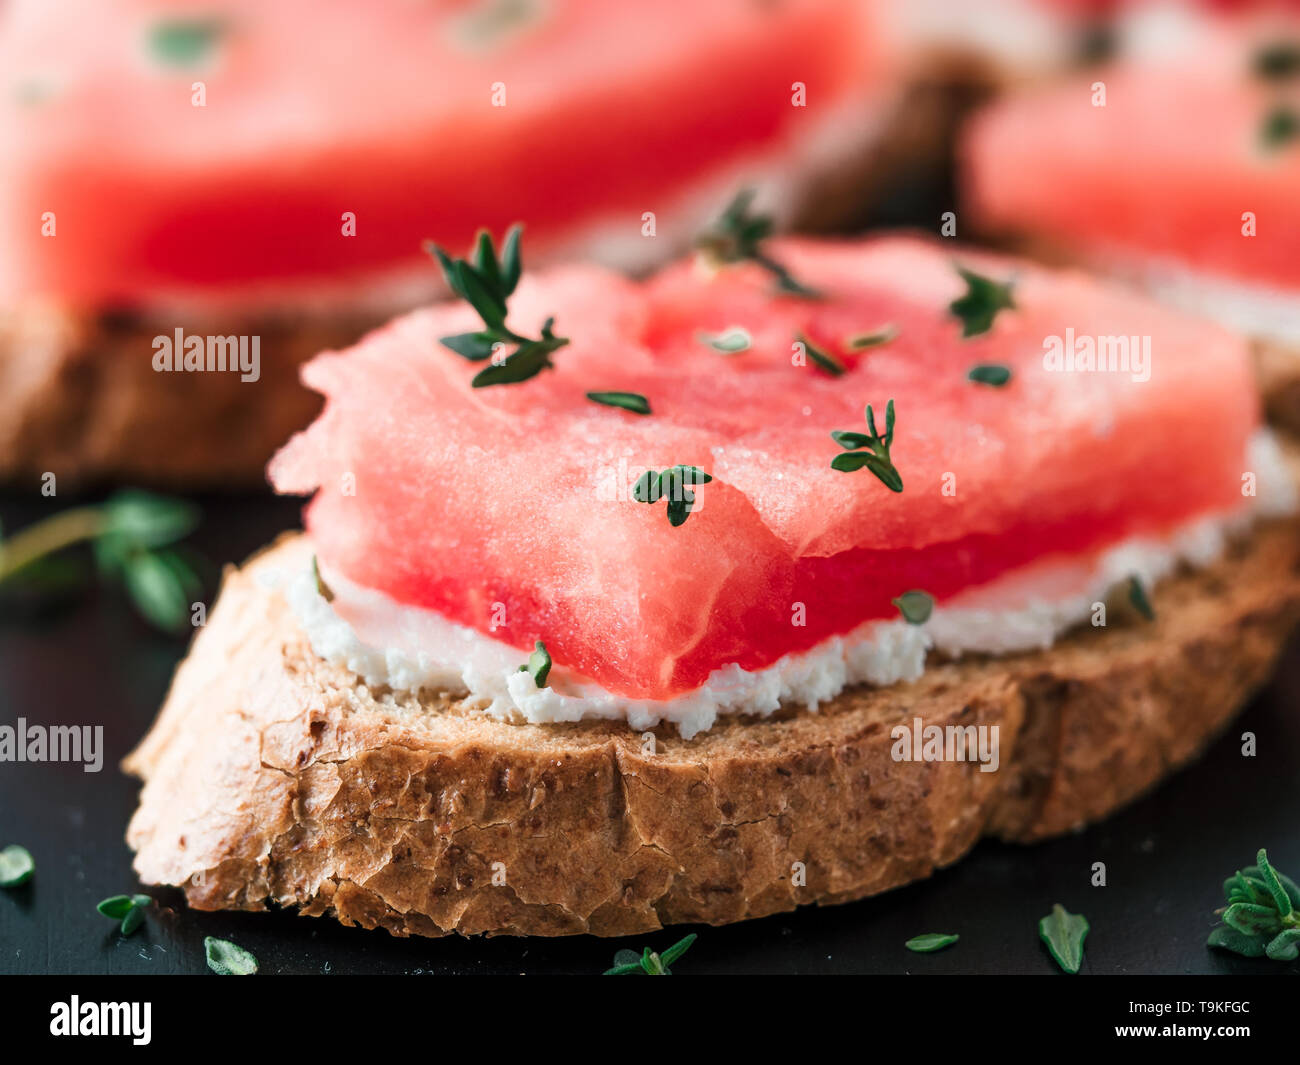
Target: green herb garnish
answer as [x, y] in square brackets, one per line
[729, 341]
[322, 589]
[980, 305]
[673, 484]
[184, 43]
[990, 373]
[915, 606]
[1137, 597]
[930, 942]
[1064, 933]
[1262, 918]
[738, 236]
[1277, 61]
[1281, 125]
[226, 959]
[16, 866]
[821, 358]
[633, 401]
[648, 963]
[539, 664]
[129, 909]
[876, 456]
[883, 335]
[130, 534]
[486, 284]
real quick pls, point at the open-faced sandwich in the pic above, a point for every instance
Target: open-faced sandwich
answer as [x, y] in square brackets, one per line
[781, 577]
[194, 199]
[1177, 168]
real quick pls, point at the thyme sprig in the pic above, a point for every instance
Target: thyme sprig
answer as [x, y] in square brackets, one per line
[486, 284]
[980, 304]
[1262, 918]
[648, 963]
[869, 450]
[738, 236]
[133, 536]
[673, 484]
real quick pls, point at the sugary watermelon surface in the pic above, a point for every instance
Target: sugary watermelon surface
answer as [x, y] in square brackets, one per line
[610, 110]
[512, 502]
[1165, 170]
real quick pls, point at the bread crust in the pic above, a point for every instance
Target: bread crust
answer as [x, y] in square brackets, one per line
[275, 778]
[79, 396]
[1277, 366]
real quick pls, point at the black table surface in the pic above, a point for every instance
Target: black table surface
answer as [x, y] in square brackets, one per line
[86, 659]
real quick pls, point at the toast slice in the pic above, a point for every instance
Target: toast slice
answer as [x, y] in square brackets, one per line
[1278, 367]
[80, 398]
[274, 778]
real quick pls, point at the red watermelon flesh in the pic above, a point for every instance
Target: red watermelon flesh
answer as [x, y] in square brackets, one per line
[1164, 171]
[465, 498]
[386, 111]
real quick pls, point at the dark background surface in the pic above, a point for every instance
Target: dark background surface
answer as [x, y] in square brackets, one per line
[85, 658]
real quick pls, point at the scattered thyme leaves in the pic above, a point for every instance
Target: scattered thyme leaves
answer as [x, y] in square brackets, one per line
[738, 236]
[980, 305]
[930, 942]
[227, 959]
[822, 359]
[1064, 933]
[1280, 126]
[869, 450]
[883, 335]
[539, 664]
[133, 536]
[184, 42]
[129, 909]
[1137, 597]
[16, 866]
[486, 284]
[730, 341]
[1262, 918]
[673, 484]
[648, 963]
[990, 373]
[1277, 61]
[633, 401]
[915, 606]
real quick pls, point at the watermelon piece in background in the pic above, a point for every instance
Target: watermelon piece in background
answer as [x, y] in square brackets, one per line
[421, 120]
[1183, 182]
[516, 498]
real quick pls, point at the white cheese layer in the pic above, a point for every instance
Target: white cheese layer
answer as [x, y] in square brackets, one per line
[409, 648]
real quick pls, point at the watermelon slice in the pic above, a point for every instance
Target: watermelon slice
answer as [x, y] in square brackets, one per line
[1165, 171]
[417, 119]
[512, 510]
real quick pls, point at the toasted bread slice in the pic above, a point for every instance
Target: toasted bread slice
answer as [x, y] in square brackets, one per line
[80, 398]
[273, 777]
[1278, 368]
